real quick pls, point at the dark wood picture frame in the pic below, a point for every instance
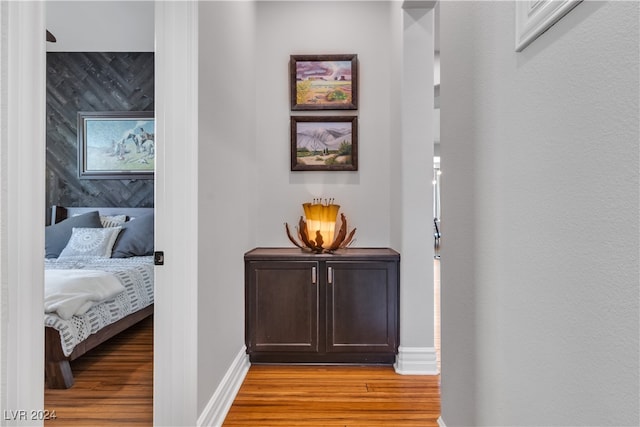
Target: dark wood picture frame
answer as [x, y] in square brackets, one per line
[324, 82]
[116, 144]
[324, 143]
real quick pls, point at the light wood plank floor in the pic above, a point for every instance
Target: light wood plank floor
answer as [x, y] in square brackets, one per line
[113, 384]
[334, 396]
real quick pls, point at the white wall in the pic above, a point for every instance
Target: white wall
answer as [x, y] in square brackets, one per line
[286, 28]
[540, 217]
[226, 185]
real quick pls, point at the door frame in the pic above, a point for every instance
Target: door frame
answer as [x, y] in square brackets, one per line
[22, 210]
[176, 221]
[22, 190]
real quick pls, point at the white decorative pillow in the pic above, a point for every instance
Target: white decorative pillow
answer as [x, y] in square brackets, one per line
[112, 220]
[91, 242]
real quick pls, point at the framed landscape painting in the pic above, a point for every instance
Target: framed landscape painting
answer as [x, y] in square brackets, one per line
[324, 143]
[324, 82]
[116, 145]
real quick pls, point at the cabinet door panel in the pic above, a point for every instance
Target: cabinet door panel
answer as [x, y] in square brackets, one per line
[284, 307]
[361, 307]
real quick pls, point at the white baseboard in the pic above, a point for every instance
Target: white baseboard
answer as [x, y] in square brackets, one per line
[416, 361]
[216, 410]
[441, 422]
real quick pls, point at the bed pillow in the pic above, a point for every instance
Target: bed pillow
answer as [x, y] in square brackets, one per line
[136, 238]
[56, 236]
[112, 220]
[91, 242]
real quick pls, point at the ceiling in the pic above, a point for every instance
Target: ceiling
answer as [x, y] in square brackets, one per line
[101, 26]
[122, 26]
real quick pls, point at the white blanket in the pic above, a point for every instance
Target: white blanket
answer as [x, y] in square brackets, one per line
[73, 292]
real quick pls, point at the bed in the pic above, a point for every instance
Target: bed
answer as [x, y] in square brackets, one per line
[98, 281]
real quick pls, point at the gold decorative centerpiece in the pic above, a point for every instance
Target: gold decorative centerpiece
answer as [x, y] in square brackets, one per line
[317, 233]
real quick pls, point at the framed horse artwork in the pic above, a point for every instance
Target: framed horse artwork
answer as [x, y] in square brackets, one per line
[116, 144]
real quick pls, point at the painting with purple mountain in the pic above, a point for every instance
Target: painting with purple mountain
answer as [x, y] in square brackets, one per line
[324, 143]
[324, 82]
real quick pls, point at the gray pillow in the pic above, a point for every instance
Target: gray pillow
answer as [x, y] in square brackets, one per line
[91, 242]
[57, 236]
[112, 220]
[136, 238]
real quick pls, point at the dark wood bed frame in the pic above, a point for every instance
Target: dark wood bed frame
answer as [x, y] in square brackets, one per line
[57, 368]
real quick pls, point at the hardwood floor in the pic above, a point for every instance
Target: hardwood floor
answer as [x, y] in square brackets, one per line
[113, 384]
[334, 396]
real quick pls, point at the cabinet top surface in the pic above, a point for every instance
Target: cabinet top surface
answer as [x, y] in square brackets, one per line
[295, 253]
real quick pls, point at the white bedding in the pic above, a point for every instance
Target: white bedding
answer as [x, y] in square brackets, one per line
[73, 292]
[135, 274]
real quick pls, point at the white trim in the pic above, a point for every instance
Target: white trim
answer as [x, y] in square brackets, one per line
[534, 17]
[441, 422]
[22, 150]
[218, 406]
[4, 285]
[176, 201]
[416, 361]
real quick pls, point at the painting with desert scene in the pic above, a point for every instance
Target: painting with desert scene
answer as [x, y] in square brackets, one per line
[324, 82]
[324, 143]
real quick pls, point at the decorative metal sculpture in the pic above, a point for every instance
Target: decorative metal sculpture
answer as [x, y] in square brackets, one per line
[320, 223]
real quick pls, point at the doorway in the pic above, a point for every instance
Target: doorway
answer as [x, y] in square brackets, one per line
[98, 69]
[22, 58]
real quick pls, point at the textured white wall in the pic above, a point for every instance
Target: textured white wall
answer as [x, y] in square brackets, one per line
[540, 217]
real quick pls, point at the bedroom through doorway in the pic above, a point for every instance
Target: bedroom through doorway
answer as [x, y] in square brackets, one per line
[103, 69]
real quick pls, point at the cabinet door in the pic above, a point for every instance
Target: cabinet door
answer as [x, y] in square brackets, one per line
[282, 306]
[362, 306]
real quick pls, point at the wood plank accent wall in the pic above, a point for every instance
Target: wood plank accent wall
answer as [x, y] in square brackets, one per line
[93, 81]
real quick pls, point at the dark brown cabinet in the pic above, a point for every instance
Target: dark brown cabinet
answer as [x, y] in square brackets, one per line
[322, 308]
